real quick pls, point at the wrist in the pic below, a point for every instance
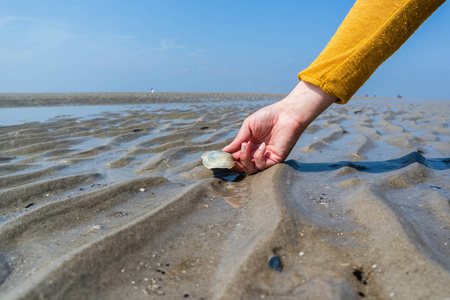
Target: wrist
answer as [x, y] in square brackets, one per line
[306, 102]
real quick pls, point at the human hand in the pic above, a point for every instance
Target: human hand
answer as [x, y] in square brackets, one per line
[267, 136]
[265, 139]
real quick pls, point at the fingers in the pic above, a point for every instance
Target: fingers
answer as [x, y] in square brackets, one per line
[246, 160]
[238, 168]
[258, 162]
[243, 150]
[259, 157]
[243, 135]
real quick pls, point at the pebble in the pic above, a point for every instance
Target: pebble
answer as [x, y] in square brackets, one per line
[275, 263]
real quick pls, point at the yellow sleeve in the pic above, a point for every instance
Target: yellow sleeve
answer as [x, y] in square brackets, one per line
[372, 31]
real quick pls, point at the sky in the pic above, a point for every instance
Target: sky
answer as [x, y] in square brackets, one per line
[240, 46]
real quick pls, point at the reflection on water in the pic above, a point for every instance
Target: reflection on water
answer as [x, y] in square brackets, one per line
[20, 115]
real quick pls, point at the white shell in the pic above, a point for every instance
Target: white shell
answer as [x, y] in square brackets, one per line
[218, 159]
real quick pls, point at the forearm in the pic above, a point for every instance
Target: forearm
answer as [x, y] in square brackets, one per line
[372, 31]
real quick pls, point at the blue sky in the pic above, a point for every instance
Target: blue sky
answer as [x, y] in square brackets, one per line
[197, 46]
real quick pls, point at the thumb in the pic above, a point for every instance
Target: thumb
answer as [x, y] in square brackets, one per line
[243, 135]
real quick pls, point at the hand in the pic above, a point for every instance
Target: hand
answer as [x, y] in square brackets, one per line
[268, 135]
[265, 139]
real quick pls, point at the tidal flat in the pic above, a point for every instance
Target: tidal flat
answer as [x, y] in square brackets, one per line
[104, 196]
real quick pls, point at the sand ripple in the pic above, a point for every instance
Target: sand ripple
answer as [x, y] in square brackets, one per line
[118, 205]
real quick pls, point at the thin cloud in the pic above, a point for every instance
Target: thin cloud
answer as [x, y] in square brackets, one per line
[168, 44]
[197, 52]
[4, 20]
[31, 36]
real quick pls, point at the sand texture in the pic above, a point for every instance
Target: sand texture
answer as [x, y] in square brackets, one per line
[119, 206]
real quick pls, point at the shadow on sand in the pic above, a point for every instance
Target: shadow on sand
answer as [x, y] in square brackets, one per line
[374, 166]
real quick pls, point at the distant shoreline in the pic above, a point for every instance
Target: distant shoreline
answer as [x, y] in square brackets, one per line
[69, 99]
[75, 99]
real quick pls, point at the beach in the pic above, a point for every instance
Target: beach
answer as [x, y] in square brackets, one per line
[104, 196]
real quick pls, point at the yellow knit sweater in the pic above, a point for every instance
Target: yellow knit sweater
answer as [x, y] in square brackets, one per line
[372, 31]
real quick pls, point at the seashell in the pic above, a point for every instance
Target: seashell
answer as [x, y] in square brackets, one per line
[218, 159]
[275, 263]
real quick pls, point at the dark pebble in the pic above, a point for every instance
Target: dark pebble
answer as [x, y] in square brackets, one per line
[359, 275]
[275, 263]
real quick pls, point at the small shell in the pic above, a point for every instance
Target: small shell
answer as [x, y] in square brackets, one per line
[218, 159]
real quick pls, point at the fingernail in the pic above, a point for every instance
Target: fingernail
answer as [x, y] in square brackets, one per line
[243, 147]
[262, 146]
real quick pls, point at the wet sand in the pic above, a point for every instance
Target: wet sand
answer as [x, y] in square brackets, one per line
[118, 205]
